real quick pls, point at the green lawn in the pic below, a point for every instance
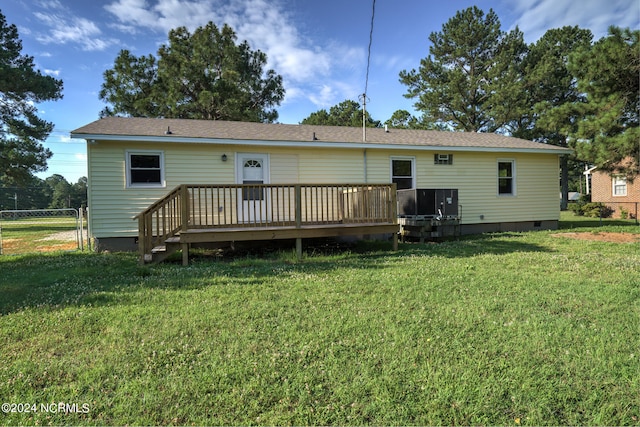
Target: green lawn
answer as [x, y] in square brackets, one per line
[26, 235]
[501, 329]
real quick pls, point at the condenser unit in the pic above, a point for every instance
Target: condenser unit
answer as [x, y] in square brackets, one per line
[428, 203]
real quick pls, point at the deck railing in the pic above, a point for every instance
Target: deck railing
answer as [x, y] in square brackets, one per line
[261, 205]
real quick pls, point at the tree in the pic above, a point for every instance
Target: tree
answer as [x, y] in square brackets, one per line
[472, 78]
[21, 130]
[204, 75]
[402, 119]
[60, 191]
[129, 86]
[552, 90]
[79, 193]
[608, 73]
[346, 113]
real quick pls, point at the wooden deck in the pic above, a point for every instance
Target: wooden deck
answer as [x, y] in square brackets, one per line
[228, 213]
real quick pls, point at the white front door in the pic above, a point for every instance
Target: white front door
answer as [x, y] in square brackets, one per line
[253, 169]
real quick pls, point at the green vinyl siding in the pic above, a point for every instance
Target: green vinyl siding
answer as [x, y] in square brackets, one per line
[331, 166]
[113, 206]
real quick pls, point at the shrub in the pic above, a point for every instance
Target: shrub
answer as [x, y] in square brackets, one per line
[577, 207]
[596, 210]
[624, 214]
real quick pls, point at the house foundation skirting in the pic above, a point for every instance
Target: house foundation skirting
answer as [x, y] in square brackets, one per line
[508, 226]
[130, 244]
[115, 244]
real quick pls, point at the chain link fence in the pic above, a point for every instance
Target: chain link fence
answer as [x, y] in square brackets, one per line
[622, 210]
[41, 230]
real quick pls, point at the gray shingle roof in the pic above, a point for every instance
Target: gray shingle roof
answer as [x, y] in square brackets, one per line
[210, 130]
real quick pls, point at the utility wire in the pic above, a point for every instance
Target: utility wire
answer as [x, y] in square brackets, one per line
[366, 81]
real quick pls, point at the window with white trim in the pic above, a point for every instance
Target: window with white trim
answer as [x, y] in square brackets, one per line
[619, 186]
[506, 177]
[443, 159]
[145, 169]
[403, 172]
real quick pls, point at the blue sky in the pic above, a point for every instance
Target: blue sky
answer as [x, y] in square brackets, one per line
[319, 47]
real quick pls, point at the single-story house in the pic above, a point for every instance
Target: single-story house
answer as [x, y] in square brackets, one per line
[503, 183]
[616, 191]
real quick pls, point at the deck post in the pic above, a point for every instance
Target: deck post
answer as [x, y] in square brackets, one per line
[184, 211]
[394, 212]
[185, 253]
[299, 248]
[298, 195]
[142, 238]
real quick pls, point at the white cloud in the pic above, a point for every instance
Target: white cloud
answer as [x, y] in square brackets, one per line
[266, 25]
[63, 27]
[55, 73]
[324, 97]
[331, 93]
[81, 156]
[535, 18]
[164, 15]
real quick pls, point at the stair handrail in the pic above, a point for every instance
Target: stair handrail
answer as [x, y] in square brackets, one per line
[167, 215]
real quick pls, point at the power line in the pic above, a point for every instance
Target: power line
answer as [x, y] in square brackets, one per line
[366, 79]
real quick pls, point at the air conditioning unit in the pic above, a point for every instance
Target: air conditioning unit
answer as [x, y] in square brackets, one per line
[426, 202]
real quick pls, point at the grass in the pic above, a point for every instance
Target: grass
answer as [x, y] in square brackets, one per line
[569, 220]
[508, 328]
[27, 235]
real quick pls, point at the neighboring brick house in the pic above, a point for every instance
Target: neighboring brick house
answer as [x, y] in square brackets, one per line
[617, 192]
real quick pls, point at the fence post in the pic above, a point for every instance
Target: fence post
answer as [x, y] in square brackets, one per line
[89, 243]
[81, 218]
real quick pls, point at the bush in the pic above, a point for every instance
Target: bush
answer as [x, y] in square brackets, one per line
[585, 207]
[624, 214]
[578, 206]
[596, 210]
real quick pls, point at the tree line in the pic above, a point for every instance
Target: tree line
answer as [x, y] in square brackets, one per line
[54, 192]
[565, 89]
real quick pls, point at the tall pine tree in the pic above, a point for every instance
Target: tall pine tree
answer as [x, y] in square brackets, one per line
[21, 130]
[472, 78]
[199, 75]
[609, 74]
[551, 89]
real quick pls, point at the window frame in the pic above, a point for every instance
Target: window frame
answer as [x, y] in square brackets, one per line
[618, 181]
[513, 178]
[443, 159]
[412, 159]
[129, 154]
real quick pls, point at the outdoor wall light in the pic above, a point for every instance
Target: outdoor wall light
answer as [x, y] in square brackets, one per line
[224, 157]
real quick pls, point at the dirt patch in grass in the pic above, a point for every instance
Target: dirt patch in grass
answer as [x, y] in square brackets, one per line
[60, 241]
[70, 246]
[62, 235]
[602, 237]
[10, 244]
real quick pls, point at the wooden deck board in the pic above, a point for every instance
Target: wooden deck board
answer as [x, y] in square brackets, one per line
[287, 232]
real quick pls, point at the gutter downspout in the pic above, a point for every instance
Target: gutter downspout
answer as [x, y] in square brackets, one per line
[587, 178]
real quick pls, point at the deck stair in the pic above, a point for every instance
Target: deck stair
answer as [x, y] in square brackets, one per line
[192, 214]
